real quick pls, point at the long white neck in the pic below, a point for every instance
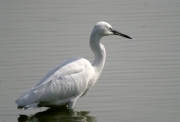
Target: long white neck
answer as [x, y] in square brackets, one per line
[98, 50]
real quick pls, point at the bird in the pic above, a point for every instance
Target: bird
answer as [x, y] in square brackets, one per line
[67, 82]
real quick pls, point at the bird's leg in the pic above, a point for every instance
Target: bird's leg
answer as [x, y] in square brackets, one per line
[72, 103]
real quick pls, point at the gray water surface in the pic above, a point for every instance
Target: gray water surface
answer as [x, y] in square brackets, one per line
[141, 78]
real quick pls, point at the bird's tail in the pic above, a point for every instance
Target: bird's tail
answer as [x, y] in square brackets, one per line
[34, 105]
[27, 100]
[31, 97]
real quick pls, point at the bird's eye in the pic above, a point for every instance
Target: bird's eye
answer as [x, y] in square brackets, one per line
[110, 29]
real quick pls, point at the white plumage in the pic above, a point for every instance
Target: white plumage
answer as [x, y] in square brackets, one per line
[72, 79]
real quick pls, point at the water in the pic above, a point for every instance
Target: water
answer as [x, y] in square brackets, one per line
[141, 78]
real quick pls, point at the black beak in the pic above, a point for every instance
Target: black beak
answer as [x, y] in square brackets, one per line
[115, 32]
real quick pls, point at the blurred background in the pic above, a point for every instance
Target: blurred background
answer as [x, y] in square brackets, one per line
[141, 78]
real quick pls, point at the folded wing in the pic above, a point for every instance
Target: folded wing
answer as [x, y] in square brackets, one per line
[69, 79]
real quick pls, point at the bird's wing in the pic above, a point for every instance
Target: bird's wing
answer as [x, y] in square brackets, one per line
[67, 80]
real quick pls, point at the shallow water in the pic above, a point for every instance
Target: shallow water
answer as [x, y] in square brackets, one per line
[141, 78]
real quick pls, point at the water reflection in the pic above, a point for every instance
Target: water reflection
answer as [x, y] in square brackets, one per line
[63, 115]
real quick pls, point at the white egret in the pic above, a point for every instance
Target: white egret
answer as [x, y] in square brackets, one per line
[72, 79]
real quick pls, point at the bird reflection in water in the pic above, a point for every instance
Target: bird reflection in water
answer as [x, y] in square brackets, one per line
[63, 115]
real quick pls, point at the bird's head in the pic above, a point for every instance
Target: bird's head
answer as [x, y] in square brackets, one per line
[105, 29]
